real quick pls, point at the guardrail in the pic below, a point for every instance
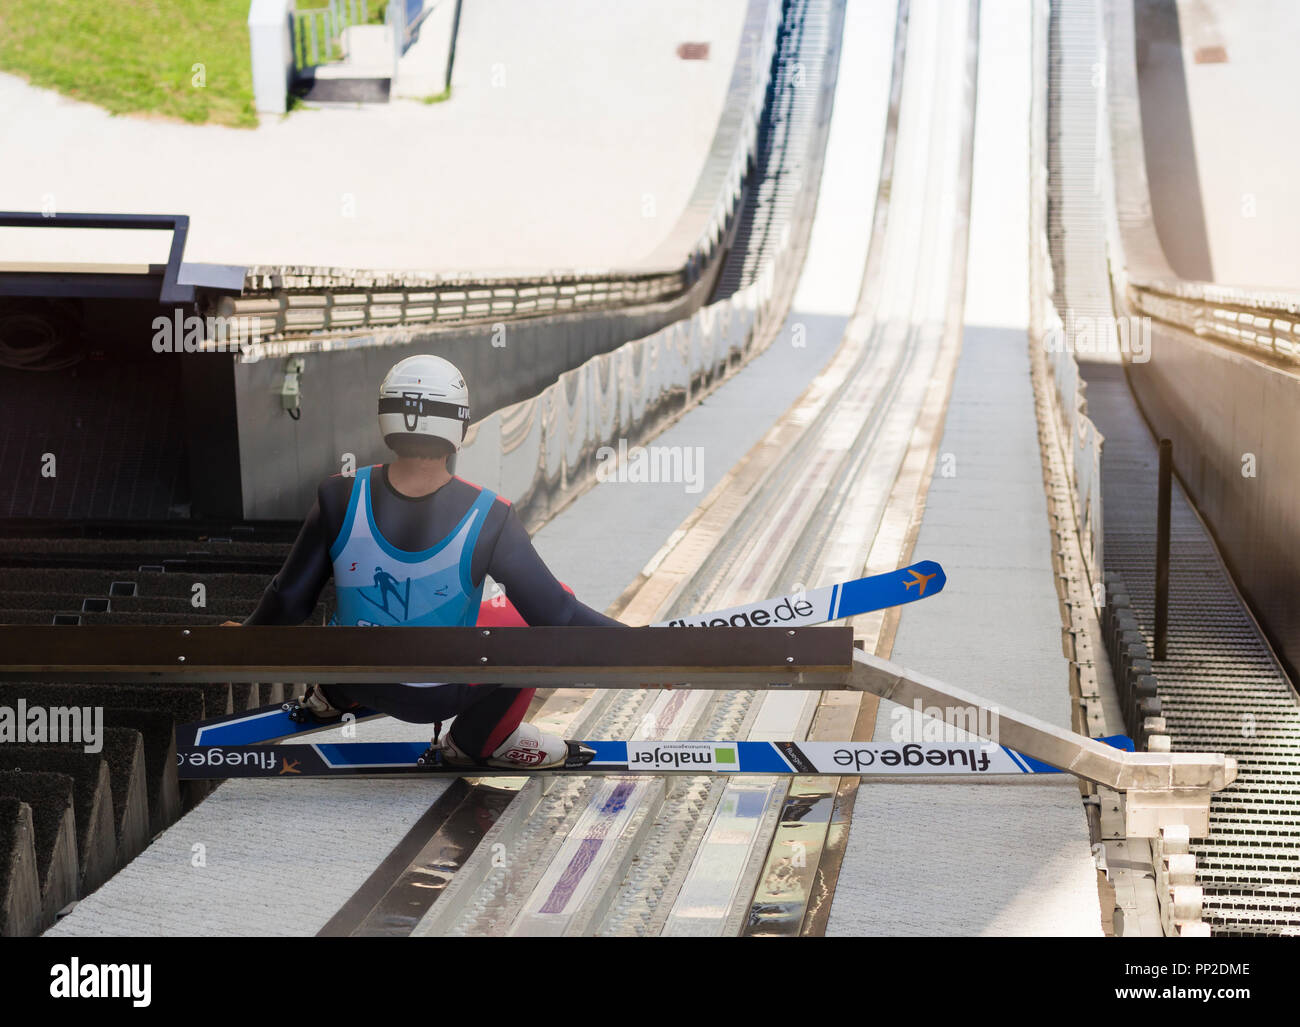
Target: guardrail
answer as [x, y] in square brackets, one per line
[1264, 321]
[1084, 451]
[402, 18]
[303, 309]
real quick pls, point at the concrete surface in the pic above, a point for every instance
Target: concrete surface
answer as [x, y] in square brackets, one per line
[573, 138]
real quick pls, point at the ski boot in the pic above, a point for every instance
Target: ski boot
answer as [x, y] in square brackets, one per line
[527, 748]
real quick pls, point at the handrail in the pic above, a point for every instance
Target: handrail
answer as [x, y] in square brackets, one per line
[1264, 320]
[1259, 319]
[309, 309]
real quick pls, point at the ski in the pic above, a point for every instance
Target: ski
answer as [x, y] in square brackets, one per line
[796, 609]
[831, 602]
[853, 759]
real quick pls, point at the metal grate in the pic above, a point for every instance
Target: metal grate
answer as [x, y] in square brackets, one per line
[1221, 690]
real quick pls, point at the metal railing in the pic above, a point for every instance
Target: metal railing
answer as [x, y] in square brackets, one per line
[318, 32]
[318, 309]
[1261, 320]
[544, 450]
[1265, 322]
[173, 290]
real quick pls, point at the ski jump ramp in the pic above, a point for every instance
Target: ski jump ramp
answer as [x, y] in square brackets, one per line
[905, 409]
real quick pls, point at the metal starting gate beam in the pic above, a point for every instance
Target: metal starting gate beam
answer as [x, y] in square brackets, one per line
[1161, 789]
[606, 657]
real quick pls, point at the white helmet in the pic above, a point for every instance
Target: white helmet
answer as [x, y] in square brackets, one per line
[424, 396]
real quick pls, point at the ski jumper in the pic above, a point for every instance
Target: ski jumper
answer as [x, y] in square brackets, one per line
[402, 560]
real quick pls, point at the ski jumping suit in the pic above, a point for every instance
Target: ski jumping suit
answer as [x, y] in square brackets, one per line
[399, 560]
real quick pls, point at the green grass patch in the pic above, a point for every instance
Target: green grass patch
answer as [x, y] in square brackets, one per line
[183, 59]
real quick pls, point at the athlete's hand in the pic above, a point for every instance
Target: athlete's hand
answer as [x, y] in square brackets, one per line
[231, 624]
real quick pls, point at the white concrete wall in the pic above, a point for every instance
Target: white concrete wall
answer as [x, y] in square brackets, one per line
[270, 42]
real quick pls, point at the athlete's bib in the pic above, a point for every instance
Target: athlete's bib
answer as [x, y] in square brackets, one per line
[379, 584]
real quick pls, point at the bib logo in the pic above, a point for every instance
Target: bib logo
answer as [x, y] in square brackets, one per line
[387, 588]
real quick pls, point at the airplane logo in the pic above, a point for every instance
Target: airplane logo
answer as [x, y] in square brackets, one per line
[919, 579]
[290, 767]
